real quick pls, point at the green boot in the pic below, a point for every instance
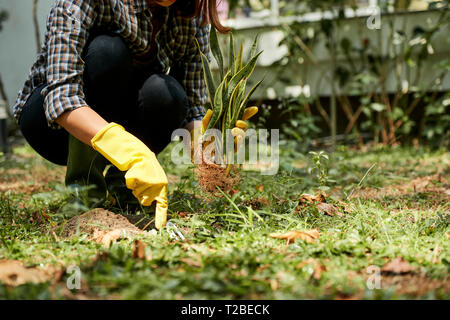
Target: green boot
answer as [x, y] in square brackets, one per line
[84, 177]
[124, 200]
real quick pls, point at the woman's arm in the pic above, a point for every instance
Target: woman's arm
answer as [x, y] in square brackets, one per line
[83, 123]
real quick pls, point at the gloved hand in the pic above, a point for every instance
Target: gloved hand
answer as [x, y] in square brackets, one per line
[145, 176]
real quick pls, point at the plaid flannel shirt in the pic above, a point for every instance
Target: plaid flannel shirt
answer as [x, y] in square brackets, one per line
[60, 66]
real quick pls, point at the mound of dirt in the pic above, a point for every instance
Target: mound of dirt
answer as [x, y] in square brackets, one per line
[101, 225]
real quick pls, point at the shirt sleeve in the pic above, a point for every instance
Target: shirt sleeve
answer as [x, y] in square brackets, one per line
[68, 25]
[193, 73]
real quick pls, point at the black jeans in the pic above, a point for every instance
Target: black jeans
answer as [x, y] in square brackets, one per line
[149, 104]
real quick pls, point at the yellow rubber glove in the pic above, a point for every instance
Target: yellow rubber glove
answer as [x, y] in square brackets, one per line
[145, 176]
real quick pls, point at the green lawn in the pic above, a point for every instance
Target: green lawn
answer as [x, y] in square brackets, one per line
[391, 202]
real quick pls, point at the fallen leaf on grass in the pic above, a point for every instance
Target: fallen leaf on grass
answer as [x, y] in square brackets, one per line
[436, 252]
[182, 214]
[192, 263]
[39, 217]
[312, 198]
[318, 267]
[139, 250]
[320, 203]
[304, 263]
[263, 267]
[106, 237]
[328, 209]
[15, 273]
[273, 284]
[290, 236]
[397, 266]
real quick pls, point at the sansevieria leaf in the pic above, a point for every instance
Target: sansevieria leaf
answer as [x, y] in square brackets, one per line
[253, 49]
[216, 51]
[231, 55]
[217, 106]
[209, 81]
[246, 71]
[246, 99]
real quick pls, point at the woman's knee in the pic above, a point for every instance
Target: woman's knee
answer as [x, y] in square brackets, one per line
[52, 144]
[163, 95]
[107, 58]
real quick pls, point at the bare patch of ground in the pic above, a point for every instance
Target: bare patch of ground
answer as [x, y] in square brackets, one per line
[435, 187]
[30, 181]
[415, 285]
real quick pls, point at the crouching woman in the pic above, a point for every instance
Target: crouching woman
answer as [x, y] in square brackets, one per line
[113, 80]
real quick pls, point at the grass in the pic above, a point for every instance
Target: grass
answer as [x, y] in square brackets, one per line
[228, 254]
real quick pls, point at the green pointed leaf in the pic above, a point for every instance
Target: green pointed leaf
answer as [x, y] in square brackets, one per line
[209, 80]
[238, 63]
[231, 105]
[231, 55]
[217, 106]
[238, 101]
[216, 51]
[246, 100]
[246, 71]
[253, 49]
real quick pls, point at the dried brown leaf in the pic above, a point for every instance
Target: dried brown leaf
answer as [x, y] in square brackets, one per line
[290, 236]
[305, 263]
[328, 209]
[138, 249]
[436, 253]
[318, 269]
[273, 284]
[192, 263]
[14, 273]
[398, 266]
[107, 237]
[312, 198]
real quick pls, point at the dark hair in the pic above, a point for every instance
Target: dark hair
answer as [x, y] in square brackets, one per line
[205, 10]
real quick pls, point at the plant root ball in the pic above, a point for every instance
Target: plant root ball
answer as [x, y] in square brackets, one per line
[212, 176]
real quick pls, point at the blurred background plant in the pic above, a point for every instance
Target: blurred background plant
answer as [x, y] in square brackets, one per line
[385, 86]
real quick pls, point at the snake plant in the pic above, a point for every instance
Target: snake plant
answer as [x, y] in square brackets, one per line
[228, 97]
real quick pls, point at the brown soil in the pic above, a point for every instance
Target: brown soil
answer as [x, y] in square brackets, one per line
[415, 285]
[212, 176]
[96, 221]
[437, 186]
[30, 181]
